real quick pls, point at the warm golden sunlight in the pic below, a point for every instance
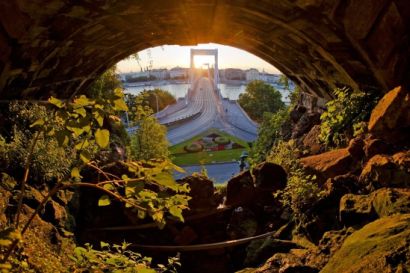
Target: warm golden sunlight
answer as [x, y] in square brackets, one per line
[169, 56]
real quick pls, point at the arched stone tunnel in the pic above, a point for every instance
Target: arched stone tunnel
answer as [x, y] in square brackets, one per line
[57, 47]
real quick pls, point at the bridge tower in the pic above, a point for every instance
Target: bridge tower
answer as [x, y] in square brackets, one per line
[205, 52]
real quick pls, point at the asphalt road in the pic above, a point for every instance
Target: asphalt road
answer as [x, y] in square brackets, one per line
[210, 111]
[219, 172]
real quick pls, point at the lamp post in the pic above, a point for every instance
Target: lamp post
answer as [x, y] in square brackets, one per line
[156, 98]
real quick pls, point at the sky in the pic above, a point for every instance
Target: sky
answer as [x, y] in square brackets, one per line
[172, 56]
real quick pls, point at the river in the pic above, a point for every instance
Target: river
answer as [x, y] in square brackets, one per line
[179, 90]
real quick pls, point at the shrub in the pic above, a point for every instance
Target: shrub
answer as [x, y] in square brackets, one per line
[222, 140]
[348, 108]
[194, 148]
[269, 133]
[301, 190]
[260, 97]
[49, 160]
[117, 258]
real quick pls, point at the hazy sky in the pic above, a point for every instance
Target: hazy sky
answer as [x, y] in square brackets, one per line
[171, 56]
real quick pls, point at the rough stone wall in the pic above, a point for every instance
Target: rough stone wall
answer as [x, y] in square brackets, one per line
[58, 47]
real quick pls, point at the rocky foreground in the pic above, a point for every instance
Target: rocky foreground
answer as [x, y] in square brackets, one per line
[361, 223]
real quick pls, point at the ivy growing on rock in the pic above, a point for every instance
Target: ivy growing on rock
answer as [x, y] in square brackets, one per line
[301, 191]
[347, 109]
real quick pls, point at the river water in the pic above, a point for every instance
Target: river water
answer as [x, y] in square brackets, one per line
[179, 90]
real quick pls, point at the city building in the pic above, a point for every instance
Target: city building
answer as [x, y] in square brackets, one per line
[159, 74]
[252, 75]
[234, 74]
[178, 73]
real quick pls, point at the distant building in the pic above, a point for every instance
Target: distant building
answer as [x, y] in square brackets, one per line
[234, 74]
[252, 75]
[270, 78]
[159, 74]
[178, 73]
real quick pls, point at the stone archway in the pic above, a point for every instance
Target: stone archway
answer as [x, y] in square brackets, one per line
[59, 47]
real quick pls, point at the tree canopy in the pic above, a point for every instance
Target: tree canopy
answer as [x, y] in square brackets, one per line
[150, 139]
[149, 98]
[259, 98]
[269, 133]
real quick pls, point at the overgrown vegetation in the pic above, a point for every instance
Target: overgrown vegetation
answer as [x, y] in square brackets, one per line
[117, 258]
[260, 97]
[151, 98]
[58, 140]
[48, 159]
[301, 190]
[150, 138]
[348, 110]
[269, 134]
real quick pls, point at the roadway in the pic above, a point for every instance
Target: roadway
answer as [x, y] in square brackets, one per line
[202, 110]
[217, 172]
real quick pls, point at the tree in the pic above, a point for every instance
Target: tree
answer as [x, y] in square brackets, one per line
[149, 98]
[104, 85]
[150, 139]
[269, 133]
[259, 98]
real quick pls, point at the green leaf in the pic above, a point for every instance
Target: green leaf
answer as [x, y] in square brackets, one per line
[109, 187]
[82, 145]
[177, 168]
[83, 101]
[104, 201]
[102, 137]
[99, 117]
[104, 244]
[133, 188]
[165, 179]
[81, 111]
[85, 156]
[56, 102]
[39, 122]
[141, 214]
[177, 212]
[158, 216]
[120, 105]
[75, 173]
[63, 138]
[75, 129]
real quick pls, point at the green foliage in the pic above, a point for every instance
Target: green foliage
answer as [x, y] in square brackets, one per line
[169, 196]
[149, 98]
[259, 98]
[150, 139]
[82, 122]
[348, 108]
[81, 127]
[301, 190]
[269, 133]
[49, 160]
[294, 96]
[7, 237]
[104, 85]
[116, 259]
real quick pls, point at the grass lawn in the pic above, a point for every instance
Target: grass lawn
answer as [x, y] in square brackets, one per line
[181, 157]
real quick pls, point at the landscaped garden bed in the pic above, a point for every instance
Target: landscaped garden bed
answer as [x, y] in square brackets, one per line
[212, 146]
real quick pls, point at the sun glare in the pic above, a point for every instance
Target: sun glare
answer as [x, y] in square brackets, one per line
[204, 61]
[169, 56]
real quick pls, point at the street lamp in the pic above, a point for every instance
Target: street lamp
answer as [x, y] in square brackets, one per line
[156, 98]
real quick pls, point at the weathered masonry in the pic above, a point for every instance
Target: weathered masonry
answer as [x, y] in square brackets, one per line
[58, 47]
